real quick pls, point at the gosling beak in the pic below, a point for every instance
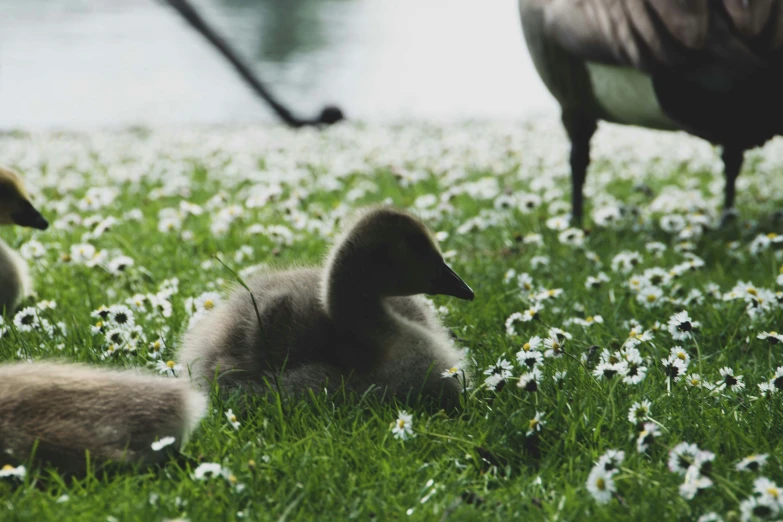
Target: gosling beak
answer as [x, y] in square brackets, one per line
[27, 216]
[449, 283]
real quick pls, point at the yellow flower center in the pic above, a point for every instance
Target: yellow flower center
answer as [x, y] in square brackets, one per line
[233, 418]
[775, 492]
[533, 423]
[772, 235]
[233, 479]
[650, 298]
[773, 333]
[8, 467]
[400, 423]
[526, 347]
[453, 369]
[589, 319]
[752, 291]
[681, 355]
[600, 484]
[170, 364]
[209, 304]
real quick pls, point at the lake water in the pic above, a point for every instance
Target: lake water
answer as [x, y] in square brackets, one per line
[112, 63]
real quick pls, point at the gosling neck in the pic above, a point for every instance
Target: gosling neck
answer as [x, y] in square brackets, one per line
[352, 294]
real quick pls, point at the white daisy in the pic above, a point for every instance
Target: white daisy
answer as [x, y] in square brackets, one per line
[600, 485]
[232, 419]
[162, 443]
[402, 428]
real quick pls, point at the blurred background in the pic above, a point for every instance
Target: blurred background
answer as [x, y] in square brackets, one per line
[88, 64]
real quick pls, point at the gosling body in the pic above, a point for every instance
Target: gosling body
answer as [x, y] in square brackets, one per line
[355, 322]
[57, 413]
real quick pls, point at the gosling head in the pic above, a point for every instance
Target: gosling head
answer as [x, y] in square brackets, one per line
[394, 254]
[15, 206]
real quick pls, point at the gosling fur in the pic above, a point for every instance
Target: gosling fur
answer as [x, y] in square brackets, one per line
[355, 322]
[15, 209]
[56, 413]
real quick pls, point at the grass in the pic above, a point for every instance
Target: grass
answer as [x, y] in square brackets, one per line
[318, 461]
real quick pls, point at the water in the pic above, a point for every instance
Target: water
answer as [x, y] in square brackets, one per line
[93, 64]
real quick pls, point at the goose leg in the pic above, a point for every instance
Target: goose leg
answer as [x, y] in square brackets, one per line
[732, 164]
[580, 128]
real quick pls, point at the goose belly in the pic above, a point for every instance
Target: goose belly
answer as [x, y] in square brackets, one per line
[627, 96]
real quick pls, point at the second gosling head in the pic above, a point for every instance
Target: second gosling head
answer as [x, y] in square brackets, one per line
[15, 205]
[394, 253]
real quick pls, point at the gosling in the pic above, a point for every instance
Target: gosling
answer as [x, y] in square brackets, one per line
[57, 413]
[357, 322]
[15, 209]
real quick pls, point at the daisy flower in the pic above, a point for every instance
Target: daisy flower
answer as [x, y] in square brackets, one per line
[121, 315]
[402, 428]
[454, 371]
[608, 370]
[522, 317]
[26, 319]
[594, 282]
[162, 443]
[681, 326]
[169, 368]
[752, 462]
[554, 345]
[529, 381]
[680, 353]
[206, 301]
[530, 359]
[600, 485]
[681, 457]
[8, 471]
[535, 424]
[694, 482]
[674, 367]
[754, 508]
[650, 296]
[635, 372]
[649, 432]
[639, 411]
[156, 348]
[768, 491]
[694, 380]
[525, 282]
[730, 381]
[208, 470]
[497, 373]
[611, 460]
[771, 337]
[777, 380]
[232, 419]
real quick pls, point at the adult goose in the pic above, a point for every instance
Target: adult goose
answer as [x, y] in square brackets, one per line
[713, 68]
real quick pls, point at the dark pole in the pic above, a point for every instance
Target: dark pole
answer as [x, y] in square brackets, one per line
[329, 114]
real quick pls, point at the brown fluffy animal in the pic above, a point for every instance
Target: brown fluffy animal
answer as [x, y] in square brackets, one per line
[63, 411]
[15, 209]
[356, 321]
